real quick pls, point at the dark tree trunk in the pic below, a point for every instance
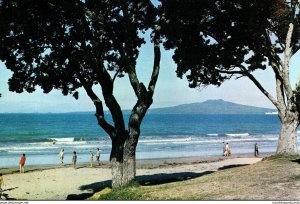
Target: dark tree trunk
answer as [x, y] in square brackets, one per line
[136, 117]
[287, 142]
[116, 160]
[129, 164]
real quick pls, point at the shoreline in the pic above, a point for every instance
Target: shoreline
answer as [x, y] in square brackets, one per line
[140, 163]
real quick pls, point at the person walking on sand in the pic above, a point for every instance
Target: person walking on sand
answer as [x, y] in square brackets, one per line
[74, 159]
[61, 156]
[22, 163]
[98, 156]
[256, 150]
[91, 158]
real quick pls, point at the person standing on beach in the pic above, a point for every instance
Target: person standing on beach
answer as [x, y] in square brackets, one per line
[256, 150]
[98, 156]
[61, 156]
[227, 150]
[91, 158]
[74, 159]
[224, 149]
[22, 163]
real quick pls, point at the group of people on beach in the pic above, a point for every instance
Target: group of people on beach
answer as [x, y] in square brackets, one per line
[74, 157]
[61, 157]
[227, 150]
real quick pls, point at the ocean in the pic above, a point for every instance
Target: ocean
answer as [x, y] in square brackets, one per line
[162, 136]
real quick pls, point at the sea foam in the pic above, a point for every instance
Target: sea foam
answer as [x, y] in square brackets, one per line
[237, 134]
[213, 134]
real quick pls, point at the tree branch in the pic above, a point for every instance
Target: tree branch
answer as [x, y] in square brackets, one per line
[156, 64]
[259, 86]
[109, 129]
[285, 65]
[134, 81]
[111, 102]
[115, 76]
[275, 63]
[280, 96]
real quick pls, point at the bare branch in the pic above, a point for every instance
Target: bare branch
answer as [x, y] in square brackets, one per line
[109, 129]
[115, 76]
[287, 57]
[156, 64]
[134, 81]
[111, 102]
[280, 96]
[259, 86]
[271, 54]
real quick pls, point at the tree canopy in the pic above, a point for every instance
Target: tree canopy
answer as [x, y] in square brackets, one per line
[216, 40]
[55, 43]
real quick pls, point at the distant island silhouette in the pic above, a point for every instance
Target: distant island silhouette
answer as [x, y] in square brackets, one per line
[212, 107]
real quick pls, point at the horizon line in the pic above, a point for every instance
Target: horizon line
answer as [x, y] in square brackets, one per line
[93, 111]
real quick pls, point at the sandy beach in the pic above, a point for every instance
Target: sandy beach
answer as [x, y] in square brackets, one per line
[61, 183]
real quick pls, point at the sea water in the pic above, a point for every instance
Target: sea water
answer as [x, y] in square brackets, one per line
[42, 136]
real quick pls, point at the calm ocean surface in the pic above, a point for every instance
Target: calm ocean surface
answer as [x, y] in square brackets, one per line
[161, 136]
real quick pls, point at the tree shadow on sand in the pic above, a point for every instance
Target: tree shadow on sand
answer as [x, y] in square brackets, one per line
[5, 196]
[145, 180]
[231, 166]
[156, 179]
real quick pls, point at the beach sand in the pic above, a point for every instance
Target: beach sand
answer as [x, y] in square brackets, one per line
[61, 183]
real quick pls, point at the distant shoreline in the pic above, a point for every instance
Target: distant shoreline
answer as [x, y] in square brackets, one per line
[212, 106]
[140, 163]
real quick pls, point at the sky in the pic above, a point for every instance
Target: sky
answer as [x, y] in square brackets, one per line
[170, 90]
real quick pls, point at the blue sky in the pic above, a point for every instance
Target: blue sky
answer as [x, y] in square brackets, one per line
[170, 90]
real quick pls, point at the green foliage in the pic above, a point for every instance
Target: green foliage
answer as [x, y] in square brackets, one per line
[65, 44]
[216, 40]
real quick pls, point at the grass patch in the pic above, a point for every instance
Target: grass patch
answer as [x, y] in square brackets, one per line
[282, 157]
[128, 193]
[275, 178]
[296, 177]
[131, 192]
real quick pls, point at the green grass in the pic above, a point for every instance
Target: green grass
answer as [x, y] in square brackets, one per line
[295, 177]
[131, 192]
[282, 157]
[275, 178]
[128, 193]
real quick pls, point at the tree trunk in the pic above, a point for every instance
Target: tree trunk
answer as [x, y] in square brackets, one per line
[116, 160]
[135, 120]
[129, 164]
[129, 170]
[287, 142]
